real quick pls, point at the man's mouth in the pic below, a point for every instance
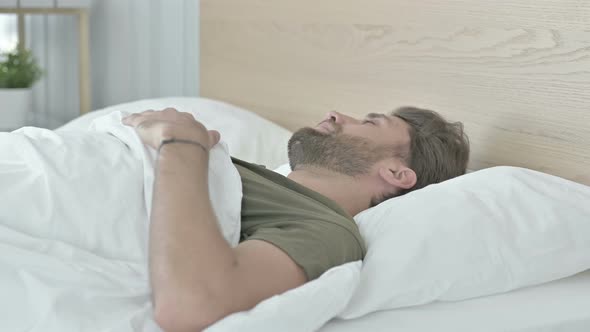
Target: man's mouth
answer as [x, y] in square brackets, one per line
[325, 126]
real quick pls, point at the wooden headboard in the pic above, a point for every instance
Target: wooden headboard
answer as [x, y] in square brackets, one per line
[516, 73]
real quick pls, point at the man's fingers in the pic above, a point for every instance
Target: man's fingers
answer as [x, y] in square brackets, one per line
[187, 115]
[135, 119]
[168, 114]
[130, 120]
[170, 110]
[214, 137]
[153, 126]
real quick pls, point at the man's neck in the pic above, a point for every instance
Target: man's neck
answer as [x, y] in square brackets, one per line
[345, 190]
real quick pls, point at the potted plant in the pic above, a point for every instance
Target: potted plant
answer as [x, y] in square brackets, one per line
[18, 72]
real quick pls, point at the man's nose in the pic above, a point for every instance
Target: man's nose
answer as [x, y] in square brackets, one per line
[338, 117]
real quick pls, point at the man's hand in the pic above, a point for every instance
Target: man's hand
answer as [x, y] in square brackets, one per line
[153, 127]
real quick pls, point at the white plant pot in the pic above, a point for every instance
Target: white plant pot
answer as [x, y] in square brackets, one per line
[15, 104]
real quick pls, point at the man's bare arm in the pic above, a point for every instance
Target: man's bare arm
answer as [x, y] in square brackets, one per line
[196, 277]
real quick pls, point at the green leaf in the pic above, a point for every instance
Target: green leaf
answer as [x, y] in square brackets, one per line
[19, 69]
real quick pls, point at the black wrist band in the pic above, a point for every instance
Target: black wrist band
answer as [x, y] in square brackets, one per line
[185, 141]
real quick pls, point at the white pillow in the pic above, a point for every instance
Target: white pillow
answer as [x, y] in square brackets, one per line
[249, 136]
[284, 169]
[486, 232]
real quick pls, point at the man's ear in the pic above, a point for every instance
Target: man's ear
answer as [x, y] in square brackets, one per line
[399, 176]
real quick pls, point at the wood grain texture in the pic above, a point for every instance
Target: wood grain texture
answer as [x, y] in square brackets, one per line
[516, 73]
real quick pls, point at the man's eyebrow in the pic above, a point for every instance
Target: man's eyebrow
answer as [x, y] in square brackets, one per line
[376, 115]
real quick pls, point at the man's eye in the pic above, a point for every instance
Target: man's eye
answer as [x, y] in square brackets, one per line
[368, 121]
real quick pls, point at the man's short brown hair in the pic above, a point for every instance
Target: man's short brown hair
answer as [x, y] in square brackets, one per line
[438, 151]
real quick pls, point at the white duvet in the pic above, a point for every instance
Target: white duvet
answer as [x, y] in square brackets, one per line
[74, 227]
[74, 222]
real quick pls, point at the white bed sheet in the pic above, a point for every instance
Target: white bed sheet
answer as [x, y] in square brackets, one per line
[562, 305]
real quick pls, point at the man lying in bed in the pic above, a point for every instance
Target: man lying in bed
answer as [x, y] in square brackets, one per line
[293, 228]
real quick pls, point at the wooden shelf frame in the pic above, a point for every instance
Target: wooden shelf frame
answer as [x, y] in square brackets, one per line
[83, 42]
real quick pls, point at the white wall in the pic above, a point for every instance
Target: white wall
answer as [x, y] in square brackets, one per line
[139, 49]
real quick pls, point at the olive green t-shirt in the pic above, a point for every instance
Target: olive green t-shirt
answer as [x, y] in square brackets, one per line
[313, 230]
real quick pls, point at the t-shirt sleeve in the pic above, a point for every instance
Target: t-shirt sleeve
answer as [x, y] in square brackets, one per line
[315, 245]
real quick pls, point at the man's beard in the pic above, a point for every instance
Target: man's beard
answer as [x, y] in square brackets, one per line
[335, 151]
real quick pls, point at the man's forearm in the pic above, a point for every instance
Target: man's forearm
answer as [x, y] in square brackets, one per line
[189, 259]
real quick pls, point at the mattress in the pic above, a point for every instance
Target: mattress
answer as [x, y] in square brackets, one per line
[562, 305]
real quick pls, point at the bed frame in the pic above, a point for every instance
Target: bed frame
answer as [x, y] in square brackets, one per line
[516, 73]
